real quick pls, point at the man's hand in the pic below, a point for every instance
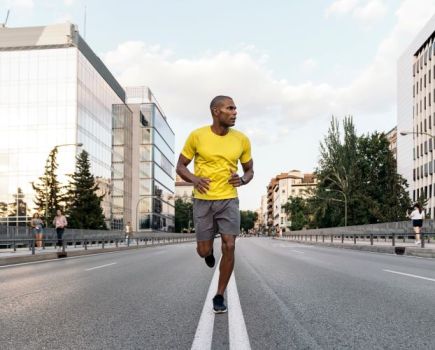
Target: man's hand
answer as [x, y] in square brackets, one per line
[235, 179]
[201, 184]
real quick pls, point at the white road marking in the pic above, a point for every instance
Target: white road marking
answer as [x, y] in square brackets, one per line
[411, 275]
[204, 331]
[298, 251]
[99, 267]
[239, 339]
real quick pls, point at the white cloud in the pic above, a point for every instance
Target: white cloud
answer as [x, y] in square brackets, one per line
[365, 11]
[68, 2]
[309, 65]
[341, 7]
[17, 4]
[266, 104]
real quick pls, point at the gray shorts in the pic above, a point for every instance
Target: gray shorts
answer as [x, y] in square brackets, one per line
[216, 216]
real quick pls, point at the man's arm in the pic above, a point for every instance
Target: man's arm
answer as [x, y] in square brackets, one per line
[248, 170]
[200, 183]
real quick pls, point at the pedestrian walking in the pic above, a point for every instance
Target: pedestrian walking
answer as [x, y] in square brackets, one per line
[217, 149]
[417, 216]
[127, 232]
[60, 222]
[37, 224]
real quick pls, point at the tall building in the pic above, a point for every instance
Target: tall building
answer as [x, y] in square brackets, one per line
[416, 115]
[56, 92]
[153, 155]
[280, 189]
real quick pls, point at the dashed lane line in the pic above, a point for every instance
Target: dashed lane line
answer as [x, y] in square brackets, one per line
[410, 275]
[239, 339]
[204, 331]
[100, 267]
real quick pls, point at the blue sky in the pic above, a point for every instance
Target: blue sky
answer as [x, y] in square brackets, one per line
[289, 65]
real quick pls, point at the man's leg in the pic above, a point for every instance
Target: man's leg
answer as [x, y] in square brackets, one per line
[227, 262]
[204, 248]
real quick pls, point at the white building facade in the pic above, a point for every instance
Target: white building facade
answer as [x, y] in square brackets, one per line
[416, 115]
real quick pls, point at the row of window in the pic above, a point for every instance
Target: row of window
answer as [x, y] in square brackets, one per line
[424, 58]
[425, 124]
[424, 102]
[423, 79]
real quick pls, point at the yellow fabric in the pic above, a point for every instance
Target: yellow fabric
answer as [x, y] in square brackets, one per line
[214, 157]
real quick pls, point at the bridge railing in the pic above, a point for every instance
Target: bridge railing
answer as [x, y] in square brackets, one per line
[23, 237]
[390, 232]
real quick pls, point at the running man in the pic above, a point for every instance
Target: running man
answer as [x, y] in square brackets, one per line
[217, 150]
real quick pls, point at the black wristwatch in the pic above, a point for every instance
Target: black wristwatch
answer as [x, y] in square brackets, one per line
[242, 179]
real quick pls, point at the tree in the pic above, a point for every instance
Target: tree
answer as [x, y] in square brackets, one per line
[83, 204]
[183, 215]
[298, 212]
[361, 170]
[47, 192]
[18, 208]
[247, 219]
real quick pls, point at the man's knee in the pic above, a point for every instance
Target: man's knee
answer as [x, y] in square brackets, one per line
[203, 250]
[228, 247]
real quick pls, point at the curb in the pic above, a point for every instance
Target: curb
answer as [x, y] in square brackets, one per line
[411, 251]
[58, 255]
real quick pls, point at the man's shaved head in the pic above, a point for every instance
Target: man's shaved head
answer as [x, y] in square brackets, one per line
[218, 100]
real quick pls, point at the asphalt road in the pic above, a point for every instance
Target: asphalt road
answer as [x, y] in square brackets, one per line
[292, 296]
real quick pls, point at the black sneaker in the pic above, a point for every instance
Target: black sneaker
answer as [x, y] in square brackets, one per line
[218, 304]
[209, 260]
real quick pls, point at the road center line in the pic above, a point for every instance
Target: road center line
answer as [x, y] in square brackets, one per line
[410, 275]
[239, 339]
[204, 331]
[99, 267]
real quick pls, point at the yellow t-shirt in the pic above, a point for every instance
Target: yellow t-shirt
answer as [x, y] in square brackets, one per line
[214, 157]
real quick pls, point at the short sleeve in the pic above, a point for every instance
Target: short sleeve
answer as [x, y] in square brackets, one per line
[246, 154]
[189, 149]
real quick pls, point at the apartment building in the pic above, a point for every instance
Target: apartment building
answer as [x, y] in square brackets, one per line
[416, 115]
[280, 189]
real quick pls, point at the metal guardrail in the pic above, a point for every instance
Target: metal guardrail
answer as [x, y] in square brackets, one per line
[388, 232]
[14, 238]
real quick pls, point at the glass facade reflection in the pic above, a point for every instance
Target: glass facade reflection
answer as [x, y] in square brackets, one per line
[156, 156]
[155, 201]
[54, 91]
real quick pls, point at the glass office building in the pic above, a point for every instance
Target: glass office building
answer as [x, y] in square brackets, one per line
[155, 139]
[55, 92]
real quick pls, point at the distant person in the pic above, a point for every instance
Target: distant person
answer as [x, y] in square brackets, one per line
[127, 232]
[37, 224]
[417, 216]
[59, 222]
[217, 150]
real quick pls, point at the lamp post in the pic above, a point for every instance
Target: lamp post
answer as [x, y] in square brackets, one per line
[338, 200]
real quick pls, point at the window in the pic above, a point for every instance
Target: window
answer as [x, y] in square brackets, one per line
[417, 87]
[413, 90]
[430, 144]
[413, 174]
[425, 80]
[424, 106]
[421, 84]
[430, 121]
[428, 76]
[430, 190]
[425, 147]
[413, 152]
[418, 173]
[428, 100]
[425, 128]
[413, 195]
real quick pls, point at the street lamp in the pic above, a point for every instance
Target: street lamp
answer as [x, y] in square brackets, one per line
[404, 133]
[338, 200]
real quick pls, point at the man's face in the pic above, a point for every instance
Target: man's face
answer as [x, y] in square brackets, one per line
[226, 113]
